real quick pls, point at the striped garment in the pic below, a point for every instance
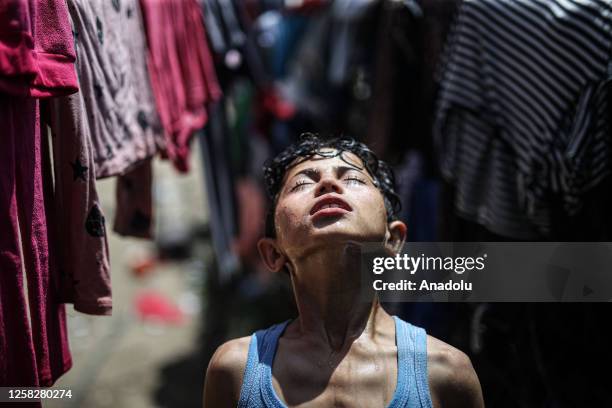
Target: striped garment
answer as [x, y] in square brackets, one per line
[522, 121]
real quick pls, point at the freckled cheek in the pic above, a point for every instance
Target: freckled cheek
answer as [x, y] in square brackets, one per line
[289, 218]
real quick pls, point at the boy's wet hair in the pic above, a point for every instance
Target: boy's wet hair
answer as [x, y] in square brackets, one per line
[310, 145]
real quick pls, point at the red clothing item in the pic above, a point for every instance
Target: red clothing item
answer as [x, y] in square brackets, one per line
[36, 60]
[182, 71]
[36, 48]
[36, 354]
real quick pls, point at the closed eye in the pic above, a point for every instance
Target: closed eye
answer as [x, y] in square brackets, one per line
[300, 185]
[354, 180]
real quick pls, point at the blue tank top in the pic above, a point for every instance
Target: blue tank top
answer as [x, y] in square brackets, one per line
[412, 388]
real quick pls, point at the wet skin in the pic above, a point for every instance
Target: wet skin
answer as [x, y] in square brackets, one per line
[340, 351]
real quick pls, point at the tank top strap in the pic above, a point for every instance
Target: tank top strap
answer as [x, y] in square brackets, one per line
[262, 348]
[250, 377]
[270, 341]
[412, 364]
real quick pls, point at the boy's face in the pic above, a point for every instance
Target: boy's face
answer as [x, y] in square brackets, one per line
[328, 200]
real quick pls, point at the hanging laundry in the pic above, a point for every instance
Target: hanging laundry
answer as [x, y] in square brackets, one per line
[521, 120]
[36, 61]
[81, 243]
[346, 15]
[219, 191]
[134, 211]
[398, 118]
[35, 58]
[214, 28]
[304, 6]
[182, 72]
[119, 114]
[105, 130]
[35, 352]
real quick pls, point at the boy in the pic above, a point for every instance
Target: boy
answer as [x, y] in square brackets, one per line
[328, 196]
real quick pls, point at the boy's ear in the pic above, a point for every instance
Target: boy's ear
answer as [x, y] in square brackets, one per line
[272, 257]
[397, 236]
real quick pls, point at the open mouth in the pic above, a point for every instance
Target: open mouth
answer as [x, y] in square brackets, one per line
[330, 206]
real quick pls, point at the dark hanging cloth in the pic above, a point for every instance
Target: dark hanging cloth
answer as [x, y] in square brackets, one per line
[521, 119]
[134, 194]
[220, 190]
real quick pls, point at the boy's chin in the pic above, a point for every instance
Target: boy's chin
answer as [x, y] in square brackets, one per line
[337, 234]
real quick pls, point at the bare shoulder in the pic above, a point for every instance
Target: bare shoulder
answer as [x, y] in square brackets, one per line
[452, 379]
[224, 373]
